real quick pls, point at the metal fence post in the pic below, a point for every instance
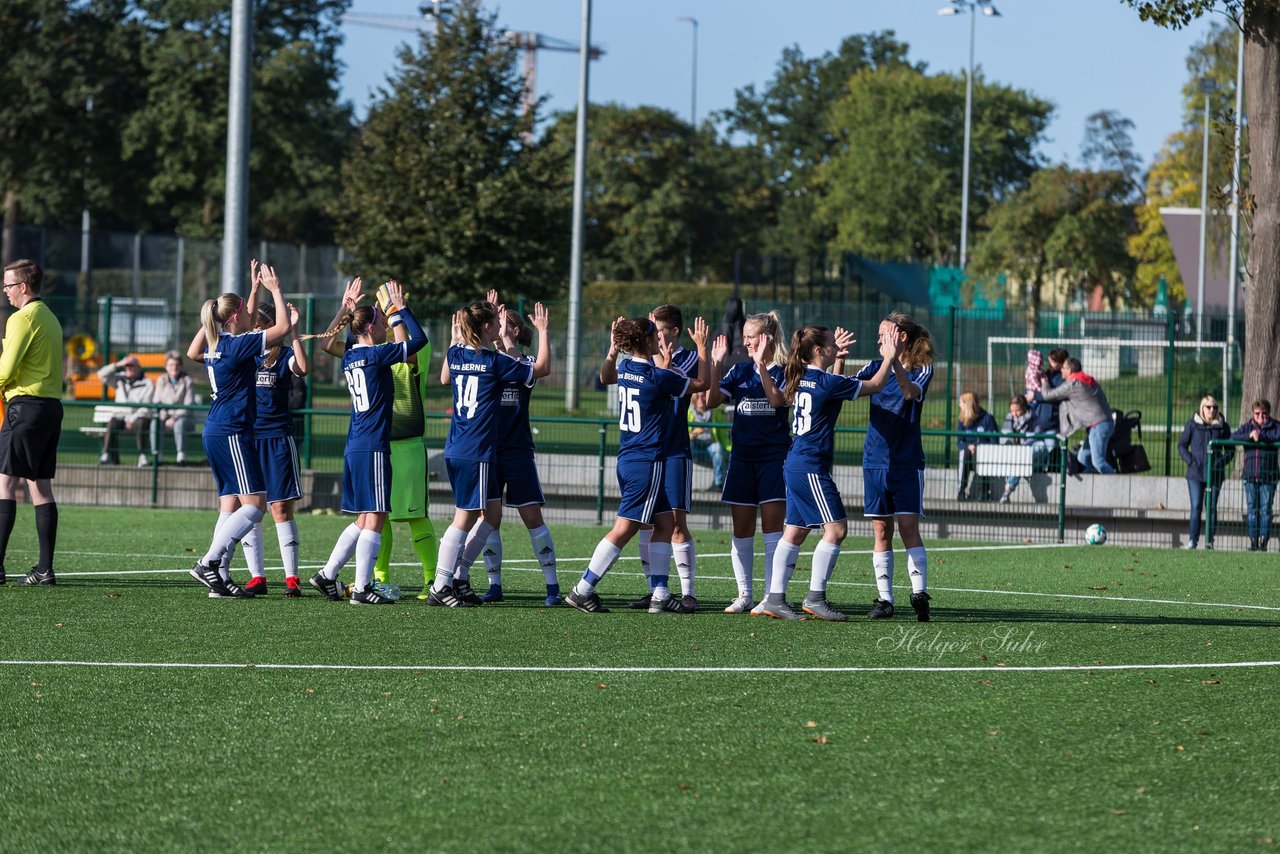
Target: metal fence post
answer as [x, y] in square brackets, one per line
[1168, 407]
[105, 334]
[1062, 492]
[1211, 496]
[306, 421]
[600, 475]
[951, 361]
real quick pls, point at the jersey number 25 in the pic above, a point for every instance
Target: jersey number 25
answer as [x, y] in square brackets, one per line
[629, 410]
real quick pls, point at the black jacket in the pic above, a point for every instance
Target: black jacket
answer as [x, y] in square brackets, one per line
[1260, 460]
[1193, 447]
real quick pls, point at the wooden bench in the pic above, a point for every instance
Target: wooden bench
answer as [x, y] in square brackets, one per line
[104, 412]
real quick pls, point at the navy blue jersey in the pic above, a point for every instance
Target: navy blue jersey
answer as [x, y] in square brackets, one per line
[232, 365]
[274, 419]
[645, 396]
[478, 380]
[685, 363]
[817, 406]
[367, 368]
[761, 431]
[893, 436]
[513, 416]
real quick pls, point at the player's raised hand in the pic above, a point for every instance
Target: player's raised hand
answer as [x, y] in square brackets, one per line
[255, 273]
[455, 328]
[719, 349]
[700, 332]
[293, 315]
[267, 275]
[351, 294]
[844, 340]
[395, 294]
[492, 296]
[541, 318]
[503, 326]
[761, 348]
[666, 350]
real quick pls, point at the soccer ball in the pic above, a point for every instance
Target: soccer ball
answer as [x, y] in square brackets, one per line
[1095, 535]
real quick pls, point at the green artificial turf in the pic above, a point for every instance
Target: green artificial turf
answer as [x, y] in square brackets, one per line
[937, 743]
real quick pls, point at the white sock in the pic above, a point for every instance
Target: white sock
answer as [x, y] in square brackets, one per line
[660, 556]
[602, 560]
[770, 547]
[224, 562]
[342, 551]
[825, 556]
[287, 534]
[646, 537]
[917, 568]
[471, 549]
[254, 553]
[743, 556]
[493, 558]
[686, 564]
[882, 563]
[231, 531]
[367, 547]
[450, 545]
[784, 563]
[544, 549]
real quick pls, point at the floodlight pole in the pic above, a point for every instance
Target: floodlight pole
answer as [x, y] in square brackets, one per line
[1233, 254]
[235, 218]
[579, 191]
[1206, 86]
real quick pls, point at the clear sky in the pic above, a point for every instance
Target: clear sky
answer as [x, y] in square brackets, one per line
[1082, 55]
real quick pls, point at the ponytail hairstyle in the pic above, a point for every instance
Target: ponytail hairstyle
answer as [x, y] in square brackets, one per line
[523, 332]
[806, 341]
[770, 324]
[632, 336]
[918, 351]
[215, 314]
[475, 318]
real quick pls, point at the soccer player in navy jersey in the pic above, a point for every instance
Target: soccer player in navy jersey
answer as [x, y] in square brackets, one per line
[761, 436]
[277, 454]
[516, 471]
[230, 351]
[477, 375]
[813, 501]
[366, 461]
[893, 463]
[646, 388]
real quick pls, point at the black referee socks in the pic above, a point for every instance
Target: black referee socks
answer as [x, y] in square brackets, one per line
[46, 531]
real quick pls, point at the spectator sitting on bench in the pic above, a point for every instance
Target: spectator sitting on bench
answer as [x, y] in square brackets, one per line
[1019, 420]
[1084, 404]
[176, 386]
[705, 442]
[973, 421]
[131, 387]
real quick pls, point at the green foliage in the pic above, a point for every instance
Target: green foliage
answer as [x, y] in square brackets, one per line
[664, 201]
[441, 192]
[790, 133]
[892, 190]
[299, 130]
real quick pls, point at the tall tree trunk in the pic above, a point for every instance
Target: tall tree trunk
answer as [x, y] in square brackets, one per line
[9, 243]
[1262, 292]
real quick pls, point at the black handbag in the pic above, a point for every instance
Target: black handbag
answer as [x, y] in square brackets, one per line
[1133, 460]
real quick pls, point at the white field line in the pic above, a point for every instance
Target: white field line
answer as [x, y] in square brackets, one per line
[468, 668]
[833, 583]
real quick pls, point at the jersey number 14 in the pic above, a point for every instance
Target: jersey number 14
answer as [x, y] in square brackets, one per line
[467, 395]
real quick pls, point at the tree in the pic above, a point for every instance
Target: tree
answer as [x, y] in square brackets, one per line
[787, 128]
[300, 130]
[1067, 221]
[658, 192]
[1108, 147]
[440, 191]
[1260, 20]
[892, 188]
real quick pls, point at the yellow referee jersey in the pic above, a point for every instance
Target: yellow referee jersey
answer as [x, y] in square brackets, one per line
[31, 361]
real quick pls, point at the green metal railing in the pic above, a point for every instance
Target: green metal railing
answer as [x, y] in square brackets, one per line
[1217, 467]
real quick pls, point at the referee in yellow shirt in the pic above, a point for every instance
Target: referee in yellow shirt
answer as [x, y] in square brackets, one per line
[31, 382]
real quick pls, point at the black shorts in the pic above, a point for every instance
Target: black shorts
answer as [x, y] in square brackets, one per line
[29, 437]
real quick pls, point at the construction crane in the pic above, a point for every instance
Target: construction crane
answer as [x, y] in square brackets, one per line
[528, 42]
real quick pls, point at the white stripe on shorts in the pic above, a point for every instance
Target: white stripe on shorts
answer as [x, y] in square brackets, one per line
[237, 464]
[819, 499]
[655, 485]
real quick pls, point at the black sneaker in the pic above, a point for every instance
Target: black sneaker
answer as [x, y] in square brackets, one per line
[234, 591]
[920, 602]
[881, 609]
[210, 578]
[38, 577]
[674, 605]
[332, 589]
[590, 603]
[641, 604]
[462, 589]
[369, 596]
[447, 598]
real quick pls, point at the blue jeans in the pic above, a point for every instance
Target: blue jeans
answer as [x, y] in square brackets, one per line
[1195, 488]
[1258, 498]
[703, 452]
[1093, 453]
[1040, 451]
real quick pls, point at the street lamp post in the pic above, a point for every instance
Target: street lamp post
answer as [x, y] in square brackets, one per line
[693, 99]
[959, 7]
[1207, 87]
